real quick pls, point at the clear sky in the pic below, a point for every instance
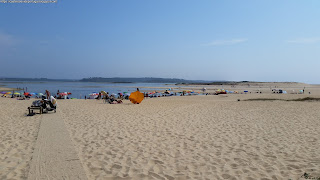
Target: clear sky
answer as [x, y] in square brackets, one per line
[267, 40]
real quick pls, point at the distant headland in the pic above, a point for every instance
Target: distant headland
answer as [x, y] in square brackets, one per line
[137, 80]
[110, 80]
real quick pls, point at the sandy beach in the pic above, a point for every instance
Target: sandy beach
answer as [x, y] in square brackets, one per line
[189, 137]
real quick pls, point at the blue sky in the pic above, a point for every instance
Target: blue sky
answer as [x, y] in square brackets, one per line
[209, 40]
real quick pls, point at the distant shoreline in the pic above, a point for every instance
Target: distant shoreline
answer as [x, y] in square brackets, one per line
[8, 89]
[239, 83]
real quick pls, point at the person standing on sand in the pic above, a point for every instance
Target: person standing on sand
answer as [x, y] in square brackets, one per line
[48, 94]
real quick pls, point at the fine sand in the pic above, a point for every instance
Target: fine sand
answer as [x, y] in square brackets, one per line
[17, 138]
[192, 137]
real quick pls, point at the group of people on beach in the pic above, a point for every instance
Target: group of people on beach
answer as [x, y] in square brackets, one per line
[111, 99]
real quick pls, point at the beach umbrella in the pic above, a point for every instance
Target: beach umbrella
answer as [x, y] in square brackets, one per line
[93, 95]
[40, 94]
[8, 93]
[3, 92]
[103, 92]
[63, 94]
[136, 97]
[16, 93]
[27, 94]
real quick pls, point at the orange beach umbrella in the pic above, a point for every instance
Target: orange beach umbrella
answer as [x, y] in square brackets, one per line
[136, 97]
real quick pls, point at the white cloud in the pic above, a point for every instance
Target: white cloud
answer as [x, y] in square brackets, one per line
[305, 40]
[226, 42]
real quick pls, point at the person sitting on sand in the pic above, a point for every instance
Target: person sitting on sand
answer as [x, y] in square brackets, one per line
[106, 97]
[21, 98]
[116, 102]
[126, 97]
[110, 99]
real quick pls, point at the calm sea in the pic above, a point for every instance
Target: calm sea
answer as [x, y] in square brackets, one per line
[80, 89]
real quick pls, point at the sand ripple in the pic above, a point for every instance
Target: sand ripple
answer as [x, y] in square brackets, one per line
[195, 138]
[17, 138]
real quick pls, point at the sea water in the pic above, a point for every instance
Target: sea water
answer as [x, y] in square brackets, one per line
[81, 89]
